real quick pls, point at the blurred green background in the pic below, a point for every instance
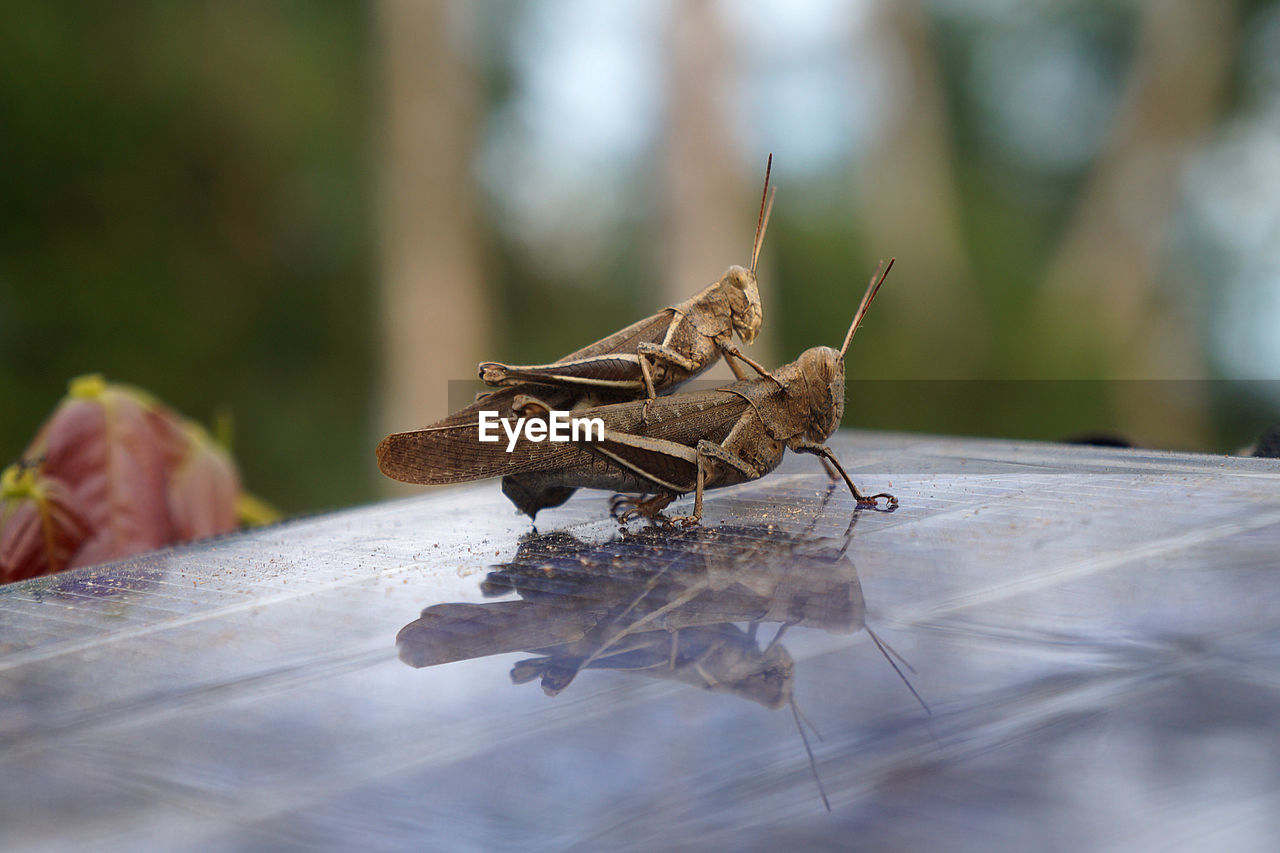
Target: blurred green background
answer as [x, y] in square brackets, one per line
[315, 215]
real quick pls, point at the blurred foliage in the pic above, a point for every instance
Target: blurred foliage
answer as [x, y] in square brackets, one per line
[185, 203]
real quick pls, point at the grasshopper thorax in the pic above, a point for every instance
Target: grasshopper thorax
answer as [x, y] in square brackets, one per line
[822, 370]
[743, 292]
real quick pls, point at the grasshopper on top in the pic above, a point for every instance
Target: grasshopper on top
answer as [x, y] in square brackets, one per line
[668, 348]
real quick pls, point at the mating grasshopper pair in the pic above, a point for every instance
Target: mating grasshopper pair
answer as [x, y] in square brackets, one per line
[663, 446]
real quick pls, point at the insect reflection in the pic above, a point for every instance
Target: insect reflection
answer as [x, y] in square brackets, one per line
[659, 603]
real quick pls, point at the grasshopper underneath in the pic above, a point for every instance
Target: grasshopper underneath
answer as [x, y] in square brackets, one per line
[664, 447]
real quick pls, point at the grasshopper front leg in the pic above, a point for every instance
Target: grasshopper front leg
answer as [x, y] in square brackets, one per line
[824, 452]
[650, 353]
[731, 353]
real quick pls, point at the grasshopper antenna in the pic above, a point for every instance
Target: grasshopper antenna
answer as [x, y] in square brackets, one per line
[766, 207]
[813, 763]
[885, 649]
[872, 289]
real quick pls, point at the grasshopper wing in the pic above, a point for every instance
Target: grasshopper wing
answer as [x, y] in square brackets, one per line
[649, 330]
[451, 452]
[661, 450]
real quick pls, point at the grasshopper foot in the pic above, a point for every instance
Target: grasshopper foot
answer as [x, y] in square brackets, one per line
[626, 507]
[873, 502]
[621, 504]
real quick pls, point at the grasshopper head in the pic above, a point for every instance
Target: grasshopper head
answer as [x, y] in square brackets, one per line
[744, 301]
[823, 372]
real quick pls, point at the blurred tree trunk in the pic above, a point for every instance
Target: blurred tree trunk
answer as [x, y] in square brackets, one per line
[709, 213]
[1103, 288]
[909, 204]
[434, 301]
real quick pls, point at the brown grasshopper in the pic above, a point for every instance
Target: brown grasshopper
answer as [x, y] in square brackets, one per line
[646, 358]
[687, 442]
[667, 349]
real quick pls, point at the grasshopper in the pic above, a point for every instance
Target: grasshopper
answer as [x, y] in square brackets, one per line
[668, 348]
[688, 442]
[646, 358]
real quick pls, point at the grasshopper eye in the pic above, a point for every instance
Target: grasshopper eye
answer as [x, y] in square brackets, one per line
[737, 276]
